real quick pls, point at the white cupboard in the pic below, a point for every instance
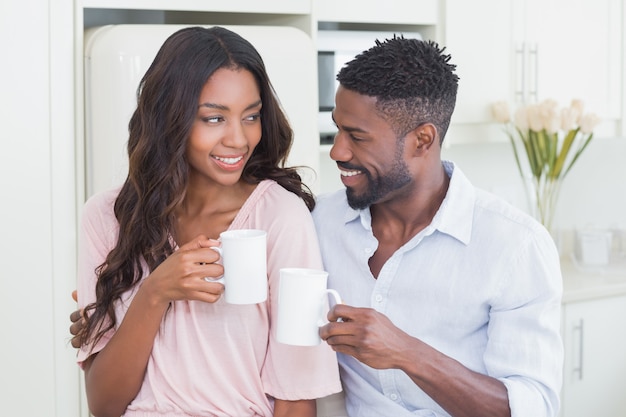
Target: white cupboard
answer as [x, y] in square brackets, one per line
[530, 50]
[594, 374]
[573, 58]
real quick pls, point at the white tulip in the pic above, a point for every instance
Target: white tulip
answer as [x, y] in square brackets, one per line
[569, 118]
[588, 122]
[548, 105]
[535, 120]
[501, 112]
[521, 119]
[577, 106]
[548, 114]
[551, 119]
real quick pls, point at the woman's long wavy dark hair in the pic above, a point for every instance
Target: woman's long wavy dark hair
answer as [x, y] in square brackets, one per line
[167, 103]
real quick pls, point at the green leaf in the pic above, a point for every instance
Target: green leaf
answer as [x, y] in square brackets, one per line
[536, 144]
[533, 153]
[515, 153]
[560, 161]
[580, 150]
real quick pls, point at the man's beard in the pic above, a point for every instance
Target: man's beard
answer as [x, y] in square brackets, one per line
[397, 177]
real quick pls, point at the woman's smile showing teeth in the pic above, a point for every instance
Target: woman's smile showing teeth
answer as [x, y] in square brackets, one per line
[229, 162]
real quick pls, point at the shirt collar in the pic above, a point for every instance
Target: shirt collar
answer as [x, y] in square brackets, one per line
[455, 214]
[364, 214]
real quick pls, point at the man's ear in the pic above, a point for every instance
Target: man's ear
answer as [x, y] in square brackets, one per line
[424, 136]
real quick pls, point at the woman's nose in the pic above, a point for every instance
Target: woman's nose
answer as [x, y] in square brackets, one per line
[235, 136]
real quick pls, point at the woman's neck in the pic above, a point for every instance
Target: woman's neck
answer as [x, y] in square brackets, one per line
[209, 210]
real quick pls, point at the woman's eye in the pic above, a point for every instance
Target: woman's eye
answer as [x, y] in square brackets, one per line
[253, 117]
[212, 119]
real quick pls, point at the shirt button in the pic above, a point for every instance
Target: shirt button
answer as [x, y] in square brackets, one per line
[393, 397]
[378, 298]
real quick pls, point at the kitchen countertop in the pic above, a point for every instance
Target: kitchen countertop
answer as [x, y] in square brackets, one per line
[582, 283]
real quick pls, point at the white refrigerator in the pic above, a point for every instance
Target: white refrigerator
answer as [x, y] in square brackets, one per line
[117, 56]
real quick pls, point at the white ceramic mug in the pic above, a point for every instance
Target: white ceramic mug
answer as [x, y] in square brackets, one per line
[302, 305]
[244, 258]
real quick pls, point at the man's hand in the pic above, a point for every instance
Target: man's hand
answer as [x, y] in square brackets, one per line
[77, 323]
[367, 335]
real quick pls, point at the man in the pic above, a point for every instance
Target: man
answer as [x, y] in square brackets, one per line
[452, 297]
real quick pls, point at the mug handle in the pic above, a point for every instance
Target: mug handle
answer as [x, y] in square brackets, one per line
[323, 320]
[217, 249]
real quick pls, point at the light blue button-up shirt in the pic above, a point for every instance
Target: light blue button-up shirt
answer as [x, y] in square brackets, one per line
[481, 284]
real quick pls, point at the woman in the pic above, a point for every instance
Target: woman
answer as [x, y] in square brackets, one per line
[207, 145]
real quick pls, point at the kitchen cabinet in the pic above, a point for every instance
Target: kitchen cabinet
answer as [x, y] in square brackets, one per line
[594, 375]
[530, 50]
[396, 12]
[594, 337]
[571, 60]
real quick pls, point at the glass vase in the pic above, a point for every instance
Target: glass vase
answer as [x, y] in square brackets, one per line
[543, 197]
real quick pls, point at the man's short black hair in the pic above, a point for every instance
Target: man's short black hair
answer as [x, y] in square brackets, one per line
[411, 79]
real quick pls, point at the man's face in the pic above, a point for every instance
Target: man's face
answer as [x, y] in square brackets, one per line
[370, 157]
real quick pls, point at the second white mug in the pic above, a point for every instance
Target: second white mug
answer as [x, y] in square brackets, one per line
[302, 305]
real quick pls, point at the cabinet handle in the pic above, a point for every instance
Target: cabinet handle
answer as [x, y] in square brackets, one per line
[579, 369]
[520, 87]
[533, 57]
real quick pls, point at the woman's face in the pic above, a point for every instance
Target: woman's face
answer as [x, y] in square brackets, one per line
[227, 127]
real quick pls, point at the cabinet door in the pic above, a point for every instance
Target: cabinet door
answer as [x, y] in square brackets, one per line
[479, 36]
[577, 46]
[595, 358]
[530, 50]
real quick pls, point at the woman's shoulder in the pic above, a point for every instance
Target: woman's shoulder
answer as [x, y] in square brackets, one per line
[270, 193]
[101, 204]
[270, 204]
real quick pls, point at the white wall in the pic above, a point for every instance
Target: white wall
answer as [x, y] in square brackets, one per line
[38, 376]
[594, 191]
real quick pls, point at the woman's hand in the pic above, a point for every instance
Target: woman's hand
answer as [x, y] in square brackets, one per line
[182, 275]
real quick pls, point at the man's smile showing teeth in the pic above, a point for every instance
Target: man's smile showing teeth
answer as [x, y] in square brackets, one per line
[230, 161]
[349, 173]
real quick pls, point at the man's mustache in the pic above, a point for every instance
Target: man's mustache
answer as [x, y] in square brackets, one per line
[349, 167]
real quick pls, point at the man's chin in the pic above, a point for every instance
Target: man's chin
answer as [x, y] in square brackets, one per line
[357, 202]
